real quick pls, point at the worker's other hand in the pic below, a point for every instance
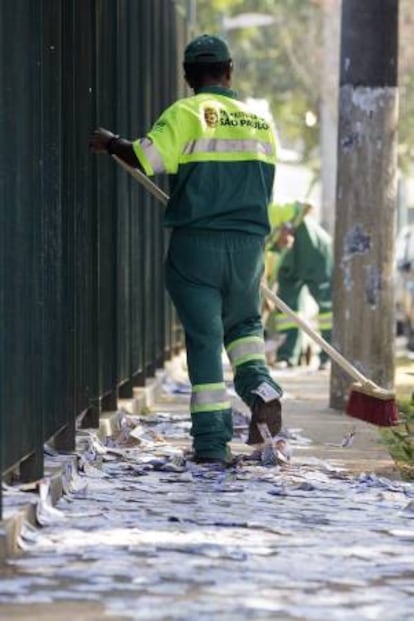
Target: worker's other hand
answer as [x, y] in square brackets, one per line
[100, 139]
[286, 237]
[267, 305]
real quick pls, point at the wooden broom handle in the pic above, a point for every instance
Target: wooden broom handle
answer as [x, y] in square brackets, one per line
[143, 180]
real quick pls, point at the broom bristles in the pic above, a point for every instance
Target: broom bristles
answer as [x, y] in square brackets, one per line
[376, 409]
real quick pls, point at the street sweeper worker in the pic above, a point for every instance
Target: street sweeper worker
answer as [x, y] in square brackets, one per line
[221, 157]
[299, 254]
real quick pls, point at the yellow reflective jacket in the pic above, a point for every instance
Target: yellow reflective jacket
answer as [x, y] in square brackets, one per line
[221, 157]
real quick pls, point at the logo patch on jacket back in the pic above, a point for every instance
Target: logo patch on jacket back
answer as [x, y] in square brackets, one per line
[211, 117]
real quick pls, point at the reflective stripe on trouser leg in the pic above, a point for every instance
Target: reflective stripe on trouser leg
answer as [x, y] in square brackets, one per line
[209, 398]
[245, 349]
[212, 424]
[284, 322]
[248, 360]
[325, 327]
[290, 348]
[325, 321]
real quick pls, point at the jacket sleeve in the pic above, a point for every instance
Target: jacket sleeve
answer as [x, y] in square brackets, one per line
[160, 150]
[281, 214]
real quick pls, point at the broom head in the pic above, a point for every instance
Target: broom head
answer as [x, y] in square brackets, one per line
[372, 404]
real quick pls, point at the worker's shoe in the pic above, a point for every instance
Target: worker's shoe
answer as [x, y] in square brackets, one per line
[225, 461]
[199, 459]
[262, 412]
[282, 364]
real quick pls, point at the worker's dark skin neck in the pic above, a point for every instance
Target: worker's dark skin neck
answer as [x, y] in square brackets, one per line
[224, 83]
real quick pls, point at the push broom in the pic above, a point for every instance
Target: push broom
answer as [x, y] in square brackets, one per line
[367, 401]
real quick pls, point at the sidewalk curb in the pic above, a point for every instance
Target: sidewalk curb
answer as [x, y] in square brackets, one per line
[13, 521]
[143, 399]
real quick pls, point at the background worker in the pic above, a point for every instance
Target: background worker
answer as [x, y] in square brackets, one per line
[299, 254]
[221, 158]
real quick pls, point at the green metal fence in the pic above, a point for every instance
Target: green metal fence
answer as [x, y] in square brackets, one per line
[84, 314]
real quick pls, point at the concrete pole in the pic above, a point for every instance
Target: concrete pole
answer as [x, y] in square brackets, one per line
[329, 110]
[363, 302]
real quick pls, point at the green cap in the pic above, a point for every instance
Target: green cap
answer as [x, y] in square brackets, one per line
[207, 49]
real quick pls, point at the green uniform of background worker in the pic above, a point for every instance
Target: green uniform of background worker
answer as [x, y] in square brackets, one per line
[221, 160]
[307, 260]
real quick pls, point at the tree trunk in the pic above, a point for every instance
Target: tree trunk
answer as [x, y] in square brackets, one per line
[363, 302]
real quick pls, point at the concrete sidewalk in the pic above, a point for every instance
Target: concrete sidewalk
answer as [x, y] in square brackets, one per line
[305, 410]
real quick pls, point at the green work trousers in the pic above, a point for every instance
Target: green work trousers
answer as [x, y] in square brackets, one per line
[213, 278]
[309, 262]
